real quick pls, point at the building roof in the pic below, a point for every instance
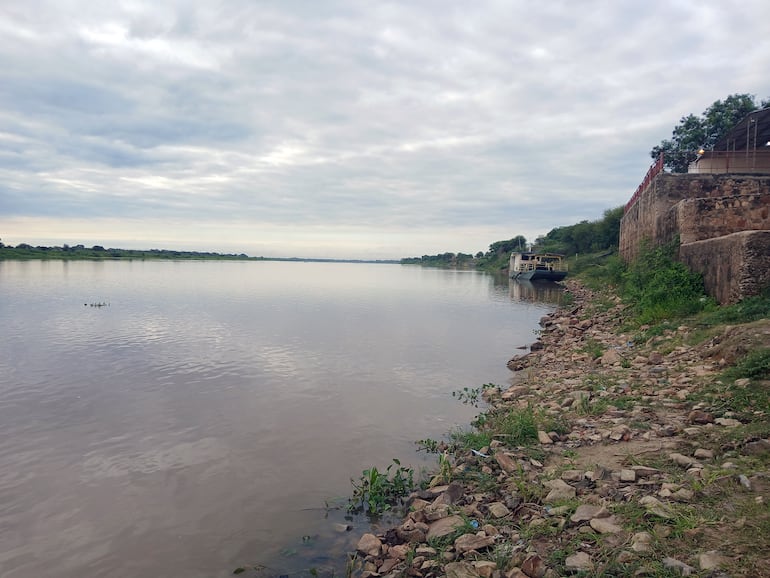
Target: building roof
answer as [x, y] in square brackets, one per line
[752, 132]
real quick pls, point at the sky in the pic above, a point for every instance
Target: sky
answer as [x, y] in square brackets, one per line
[347, 129]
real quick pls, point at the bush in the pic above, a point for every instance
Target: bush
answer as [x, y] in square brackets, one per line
[657, 287]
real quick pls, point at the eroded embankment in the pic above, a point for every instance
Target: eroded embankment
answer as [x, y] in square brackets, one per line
[615, 453]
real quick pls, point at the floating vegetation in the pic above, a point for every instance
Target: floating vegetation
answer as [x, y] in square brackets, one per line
[99, 304]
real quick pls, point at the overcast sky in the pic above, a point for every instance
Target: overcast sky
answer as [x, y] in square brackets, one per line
[347, 128]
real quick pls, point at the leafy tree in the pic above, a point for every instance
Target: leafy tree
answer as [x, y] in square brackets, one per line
[695, 132]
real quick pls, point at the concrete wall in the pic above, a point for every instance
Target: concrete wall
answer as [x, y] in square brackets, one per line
[701, 208]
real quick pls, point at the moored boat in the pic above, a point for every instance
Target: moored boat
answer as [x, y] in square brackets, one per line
[537, 266]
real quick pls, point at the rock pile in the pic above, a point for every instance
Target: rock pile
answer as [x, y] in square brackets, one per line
[612, 487]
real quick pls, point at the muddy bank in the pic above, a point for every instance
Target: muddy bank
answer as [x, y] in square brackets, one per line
[627, 454]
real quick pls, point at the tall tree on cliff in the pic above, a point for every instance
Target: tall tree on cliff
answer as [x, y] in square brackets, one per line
[695, 132]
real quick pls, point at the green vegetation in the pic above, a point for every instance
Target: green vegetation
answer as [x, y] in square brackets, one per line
[693, 132]
[376, 492]
[23, 251]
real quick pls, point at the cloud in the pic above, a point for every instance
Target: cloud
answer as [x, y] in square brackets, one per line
[389, 127]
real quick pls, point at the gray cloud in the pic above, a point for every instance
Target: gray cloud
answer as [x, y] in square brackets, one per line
[407, 121]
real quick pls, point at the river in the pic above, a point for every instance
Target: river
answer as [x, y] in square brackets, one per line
[186, 418]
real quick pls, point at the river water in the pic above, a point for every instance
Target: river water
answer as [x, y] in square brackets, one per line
[206, 413]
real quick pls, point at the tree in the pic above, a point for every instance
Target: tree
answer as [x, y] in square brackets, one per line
[693, 132]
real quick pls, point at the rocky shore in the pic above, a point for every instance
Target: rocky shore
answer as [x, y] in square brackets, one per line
[640, 458]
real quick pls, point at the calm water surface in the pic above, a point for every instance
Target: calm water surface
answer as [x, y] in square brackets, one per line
[200, 421]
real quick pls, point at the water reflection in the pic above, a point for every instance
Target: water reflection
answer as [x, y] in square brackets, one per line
[539, 291]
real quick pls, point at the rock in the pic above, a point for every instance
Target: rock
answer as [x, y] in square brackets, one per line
[756, 448]
[534, 567]
[560, 490]
[506, 462]
[544, 438]
[742, 382]
[699, 417]
[683, 495]
[387, 565]
[579, 562]
[744, 481]
[515, 573]
[727, 422]
[644, 471]
[370, 545]
[436, 512]
[682, 460]
[468, 542]
[342, 528]
[485, 568]
[572, 475]
[461, 570]
[444, 527]
[655, 506]
[627, 476]
[610, 357]
[584, 513]
[673, 564]
[498, 510]
[641, 542]
[399, 551]
[605, 525]
[712, 560]
[655, 358]
[704, 454]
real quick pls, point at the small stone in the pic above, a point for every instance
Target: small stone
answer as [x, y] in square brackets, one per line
[625, 557]
[485, 568]
[468, 542]
[544, 438]
[627, 476]
[711, 560]
[700, 417]
[704, 454]
[644, 471]
[655, 506]
[444, 527]
[534, 567]
[673, 564]
[742, 382]
[727, 422]
[683, 495]
[461, 570]
[560, 490]
[579, 562]
[605, 525]
[370, 545]
[572, 475]
[387, 565]
[584, 513]
[498, 510]
[641, 542]
[506, 462]
[745, 482]
[682, 460]
[342, 528]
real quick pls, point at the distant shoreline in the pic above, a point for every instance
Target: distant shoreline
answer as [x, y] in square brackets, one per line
[24, 252]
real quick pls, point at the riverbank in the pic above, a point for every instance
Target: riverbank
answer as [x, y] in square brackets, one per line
[616, 452]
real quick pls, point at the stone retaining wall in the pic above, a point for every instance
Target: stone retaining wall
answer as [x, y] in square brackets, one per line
[702, 209]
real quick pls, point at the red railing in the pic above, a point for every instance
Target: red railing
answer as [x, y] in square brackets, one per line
[654, 169]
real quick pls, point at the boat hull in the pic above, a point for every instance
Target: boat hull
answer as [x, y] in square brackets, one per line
[540, 275]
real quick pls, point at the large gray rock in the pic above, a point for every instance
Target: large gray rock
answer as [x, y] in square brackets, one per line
[444, 527]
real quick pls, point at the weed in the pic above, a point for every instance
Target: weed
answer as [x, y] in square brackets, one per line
[593, 348]
[376, 492]
[429, 445]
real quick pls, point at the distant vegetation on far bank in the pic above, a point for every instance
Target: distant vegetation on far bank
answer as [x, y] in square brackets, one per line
[585, 237]
[24, 251]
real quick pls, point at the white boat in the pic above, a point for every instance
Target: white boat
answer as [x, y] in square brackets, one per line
[535, 266]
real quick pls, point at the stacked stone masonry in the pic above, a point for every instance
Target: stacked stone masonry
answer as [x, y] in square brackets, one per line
[723, 224]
